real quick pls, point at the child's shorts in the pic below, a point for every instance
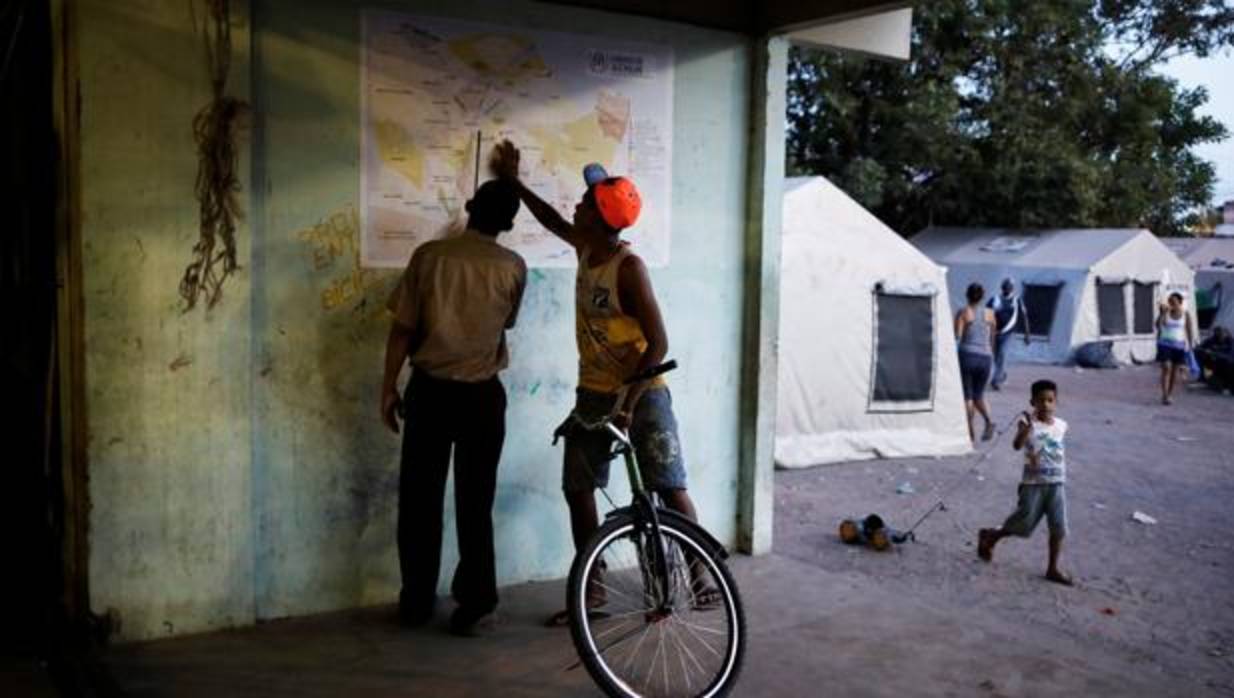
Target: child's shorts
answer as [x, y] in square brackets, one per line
[1037, 501]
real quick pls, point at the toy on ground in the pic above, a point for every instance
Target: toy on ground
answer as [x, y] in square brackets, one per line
[871, 531]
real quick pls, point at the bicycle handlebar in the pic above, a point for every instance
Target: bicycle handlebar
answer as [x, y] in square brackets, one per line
[605, 423]
[651, 372]
[602, 424]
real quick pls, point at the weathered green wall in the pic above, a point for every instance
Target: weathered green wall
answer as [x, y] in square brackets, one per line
[238, 466]
[168, 395]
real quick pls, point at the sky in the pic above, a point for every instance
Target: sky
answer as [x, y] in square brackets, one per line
[1216, 73]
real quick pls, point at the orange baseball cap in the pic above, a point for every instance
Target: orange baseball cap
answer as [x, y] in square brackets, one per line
[616, 197]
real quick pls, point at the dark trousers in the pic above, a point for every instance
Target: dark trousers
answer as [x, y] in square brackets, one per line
[1000, 358]
[469, 418]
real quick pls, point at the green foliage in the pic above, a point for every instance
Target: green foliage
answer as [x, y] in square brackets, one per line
[1042, 114]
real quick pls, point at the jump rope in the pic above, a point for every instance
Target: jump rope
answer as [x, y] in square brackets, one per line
[958, 482]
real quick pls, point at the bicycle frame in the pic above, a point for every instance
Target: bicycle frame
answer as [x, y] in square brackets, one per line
[645, 512]
[643, 509]
[714, 546]
[674, 562]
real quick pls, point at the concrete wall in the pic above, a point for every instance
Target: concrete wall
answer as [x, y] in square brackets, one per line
[168, 396]
[238, 469]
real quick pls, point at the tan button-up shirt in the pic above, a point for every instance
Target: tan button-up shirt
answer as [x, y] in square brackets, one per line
[458, 296]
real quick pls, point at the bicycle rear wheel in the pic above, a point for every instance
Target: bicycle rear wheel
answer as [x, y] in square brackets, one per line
[635, 643]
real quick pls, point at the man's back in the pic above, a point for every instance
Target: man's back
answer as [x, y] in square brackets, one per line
[459, 295]
[451, 310]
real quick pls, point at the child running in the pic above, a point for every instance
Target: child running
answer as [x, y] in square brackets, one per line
[1041, 493]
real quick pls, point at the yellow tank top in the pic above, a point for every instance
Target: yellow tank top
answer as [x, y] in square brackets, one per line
[610, 342]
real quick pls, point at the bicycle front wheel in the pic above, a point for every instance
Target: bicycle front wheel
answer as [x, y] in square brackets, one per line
[636, 642]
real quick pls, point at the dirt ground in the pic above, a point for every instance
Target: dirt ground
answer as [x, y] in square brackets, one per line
[1157, 600]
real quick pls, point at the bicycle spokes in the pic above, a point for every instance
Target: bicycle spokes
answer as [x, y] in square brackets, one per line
[656, 634]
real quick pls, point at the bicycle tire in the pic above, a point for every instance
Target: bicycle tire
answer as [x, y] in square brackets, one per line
[595, 638]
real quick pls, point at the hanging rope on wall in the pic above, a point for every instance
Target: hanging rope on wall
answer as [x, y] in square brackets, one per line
[217, 181]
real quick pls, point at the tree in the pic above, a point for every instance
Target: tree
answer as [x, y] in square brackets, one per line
[1043, 114]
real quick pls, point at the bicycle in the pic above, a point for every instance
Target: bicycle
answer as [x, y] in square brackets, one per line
[653, 609]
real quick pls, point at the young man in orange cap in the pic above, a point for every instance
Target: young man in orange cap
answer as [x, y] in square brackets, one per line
[620, 333]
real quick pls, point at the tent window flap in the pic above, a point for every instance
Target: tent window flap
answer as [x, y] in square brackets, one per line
[1208, 302]
[1111, 309]
[903, 348]
[1145, 305]
[1040, 304]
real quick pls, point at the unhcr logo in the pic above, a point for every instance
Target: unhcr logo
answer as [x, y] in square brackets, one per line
[629, 65]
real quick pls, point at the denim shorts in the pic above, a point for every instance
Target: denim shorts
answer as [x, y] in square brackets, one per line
[653, 430]
[1036, 502]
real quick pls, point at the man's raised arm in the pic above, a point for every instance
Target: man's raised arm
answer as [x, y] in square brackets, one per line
[505, 166]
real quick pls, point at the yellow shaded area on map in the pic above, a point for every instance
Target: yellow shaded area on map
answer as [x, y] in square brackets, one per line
[613, 113]
[574, 144]
[462, 162]
[398, 151]
[509, 58]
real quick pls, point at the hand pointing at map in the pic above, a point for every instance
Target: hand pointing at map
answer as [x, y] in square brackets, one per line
[504, 163]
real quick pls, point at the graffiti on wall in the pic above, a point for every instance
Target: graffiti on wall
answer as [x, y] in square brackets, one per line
[334, 249]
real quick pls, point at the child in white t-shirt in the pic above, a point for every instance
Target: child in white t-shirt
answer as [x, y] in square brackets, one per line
[1041, 493]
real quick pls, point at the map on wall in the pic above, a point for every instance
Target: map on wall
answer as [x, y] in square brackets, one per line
[437, 94]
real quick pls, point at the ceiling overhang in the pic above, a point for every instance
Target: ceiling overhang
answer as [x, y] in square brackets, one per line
[753, 17]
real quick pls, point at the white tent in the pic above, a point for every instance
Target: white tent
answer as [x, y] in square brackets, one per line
[867, 363]
[1078, 286]
[1212, 259]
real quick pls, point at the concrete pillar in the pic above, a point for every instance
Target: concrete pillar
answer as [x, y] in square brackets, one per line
[761, 306]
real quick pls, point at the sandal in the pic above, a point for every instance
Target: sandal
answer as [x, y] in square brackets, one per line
[706, 598]
[597, 593]
[561, 619]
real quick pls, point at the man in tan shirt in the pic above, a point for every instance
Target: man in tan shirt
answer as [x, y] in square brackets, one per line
[451, 310]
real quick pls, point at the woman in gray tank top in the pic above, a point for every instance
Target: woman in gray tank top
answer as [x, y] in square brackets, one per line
[974, 329]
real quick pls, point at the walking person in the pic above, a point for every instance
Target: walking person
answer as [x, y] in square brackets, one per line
[1175, 337]
[456, 300]
[975, 332]
[1009, 311]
